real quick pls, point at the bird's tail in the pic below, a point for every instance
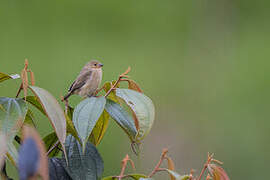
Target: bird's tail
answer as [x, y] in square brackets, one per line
[67, 96]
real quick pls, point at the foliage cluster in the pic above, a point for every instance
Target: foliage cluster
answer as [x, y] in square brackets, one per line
[77, 132]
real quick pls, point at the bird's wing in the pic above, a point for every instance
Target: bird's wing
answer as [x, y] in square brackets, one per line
[80, 81]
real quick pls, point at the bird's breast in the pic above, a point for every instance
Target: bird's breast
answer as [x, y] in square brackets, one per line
[92, 83]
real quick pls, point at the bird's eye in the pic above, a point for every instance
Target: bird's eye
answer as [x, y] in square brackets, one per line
[95, 64]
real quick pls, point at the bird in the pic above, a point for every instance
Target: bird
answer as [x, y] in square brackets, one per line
[88, 81]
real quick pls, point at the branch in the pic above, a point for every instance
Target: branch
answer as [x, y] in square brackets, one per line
[53, 147]
[124, 165]
[163, 156]
[124, 75]
[209, 159]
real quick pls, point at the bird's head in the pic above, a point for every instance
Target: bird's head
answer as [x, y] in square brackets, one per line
[95, 64]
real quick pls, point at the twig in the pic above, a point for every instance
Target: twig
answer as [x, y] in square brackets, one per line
[19, 90]
[209, 159]
[124, 75]
[124, 165]
[53, 147]
[163, 156]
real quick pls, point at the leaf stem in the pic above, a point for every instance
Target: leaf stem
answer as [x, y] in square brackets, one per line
[123, 75]
[156, 169]
[209, 159]
[53, 147]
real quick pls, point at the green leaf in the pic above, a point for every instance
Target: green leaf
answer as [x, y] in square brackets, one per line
[86, 115]
[100, 128]
[57, 169]
[53, 111]
[49, 141]
[35, 102]
[177, 176]
[4, 77]
[143, 108]
[124, 120]
[137, 176]
[82, 166]
[107, 86]
[29, 118]
[12, 115]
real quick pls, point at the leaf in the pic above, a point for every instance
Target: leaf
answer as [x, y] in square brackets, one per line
[86, 115]
[35, 102]
[134, 86]
[82, 166]
[4, 76]
[177, 176]
[124, 120]
[217, 172]
[170, 166]
[29, 118]
[107, 86]
[146, 179]
[31, 133]
[100, 128]
[53, 111]
[143, 108]
[3, 149]
[49, 141]
[137, 176]
[57, 169]
[12, 115]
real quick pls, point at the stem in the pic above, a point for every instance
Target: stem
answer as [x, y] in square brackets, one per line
[163, 156]
[53, 147]
[124, 75]
[19, 90]
[209, 159]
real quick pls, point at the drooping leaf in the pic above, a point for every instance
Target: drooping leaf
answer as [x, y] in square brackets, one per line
[71, 129]
[82, 166]
[86, 115]
[3, 149]
[35, 102]
[177, 176]
[12, 115]
[122, 118]
[100, 128]
[31, 133]
[29, 159]
[57, 169]
[217, 172]
[143, 108]
[29, 118]
[53, 111]
[49, 142]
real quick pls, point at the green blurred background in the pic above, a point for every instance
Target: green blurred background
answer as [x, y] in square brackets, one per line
[204, 63]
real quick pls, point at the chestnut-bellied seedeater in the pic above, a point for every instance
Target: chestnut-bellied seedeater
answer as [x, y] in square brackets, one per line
[87, 81]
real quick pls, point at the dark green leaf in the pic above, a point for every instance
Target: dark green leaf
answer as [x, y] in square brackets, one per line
[143, 108]
[122, 118]
[86, 115]
[57, 169]
[82, 166]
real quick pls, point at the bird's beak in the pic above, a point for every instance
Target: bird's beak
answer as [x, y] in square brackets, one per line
[100, 65]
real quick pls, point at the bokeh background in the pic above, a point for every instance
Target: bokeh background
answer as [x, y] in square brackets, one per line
[204, 63]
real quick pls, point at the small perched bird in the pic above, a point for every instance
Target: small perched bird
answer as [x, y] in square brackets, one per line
[87, 81]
